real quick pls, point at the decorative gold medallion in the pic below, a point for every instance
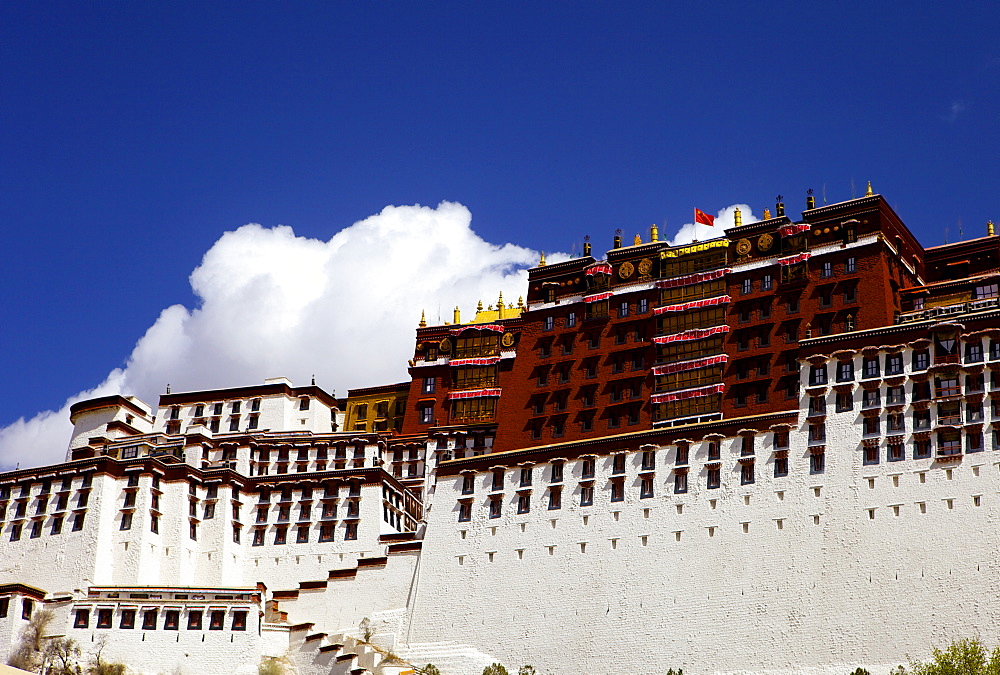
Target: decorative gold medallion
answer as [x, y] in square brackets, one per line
[743, 246]
[765, 241]
[625, 270]
[645, 267]
[445, 345]
[507, 340]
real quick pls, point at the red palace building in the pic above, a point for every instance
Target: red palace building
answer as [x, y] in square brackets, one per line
[654, 338]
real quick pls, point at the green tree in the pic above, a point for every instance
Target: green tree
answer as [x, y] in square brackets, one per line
[526, 670]
[861, 671]
[495, 669]
[962, 657]
[429, 669]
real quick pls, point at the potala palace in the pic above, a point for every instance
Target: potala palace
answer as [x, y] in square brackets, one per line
[776, 451]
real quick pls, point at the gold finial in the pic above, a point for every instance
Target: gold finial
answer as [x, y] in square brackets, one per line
[520, 302]
[654, 233]
[423, 319]
[767, 214]
[737, 217]
[542, 263]
[636, 240]
[990, 231]
[809, 330]
[458, 316]
[479, 307]
[868, 192]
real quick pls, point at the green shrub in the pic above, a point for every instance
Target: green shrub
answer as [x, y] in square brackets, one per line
[495, 669]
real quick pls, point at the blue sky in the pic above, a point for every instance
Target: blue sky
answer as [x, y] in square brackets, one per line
[135, 134]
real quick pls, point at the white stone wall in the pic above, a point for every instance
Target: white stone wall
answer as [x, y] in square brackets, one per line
[773, 576]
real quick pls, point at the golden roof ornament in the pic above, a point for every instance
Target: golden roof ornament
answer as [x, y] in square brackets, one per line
[636, 240]
[520, 302]
[654, 233]
[479, 307]
[737, 217]
[767, 214]
[542, 263]
[423, 319]
[990, 230]
[868, 192]
[458, 316]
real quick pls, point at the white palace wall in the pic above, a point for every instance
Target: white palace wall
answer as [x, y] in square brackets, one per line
[860, 565]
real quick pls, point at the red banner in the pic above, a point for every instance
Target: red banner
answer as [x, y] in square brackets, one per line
[485, 326]
[473, 393]
[687, 393]
[694, 304]
[692, 278]
[791, 260]
[789, 230]
[597, 297]
[696, 334]
[702, 217]
[479, 361]
[683, 366]
[599, 268]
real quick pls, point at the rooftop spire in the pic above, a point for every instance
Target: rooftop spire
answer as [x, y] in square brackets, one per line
[990, 231]
[654, 233]
[868, 192]
[423, 319]
[541, 262]
[737, 217]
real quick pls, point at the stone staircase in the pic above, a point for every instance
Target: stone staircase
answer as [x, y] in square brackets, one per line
[451, 658]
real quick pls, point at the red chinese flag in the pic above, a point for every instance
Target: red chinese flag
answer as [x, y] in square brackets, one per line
[702, 217]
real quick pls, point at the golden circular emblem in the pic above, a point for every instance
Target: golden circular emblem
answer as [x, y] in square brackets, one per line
[645, 266]
[445, 345]
[507, 340]
[765, 241]
[625, 270]
[743, 246]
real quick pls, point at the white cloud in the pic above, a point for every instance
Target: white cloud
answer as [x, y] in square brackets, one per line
[272, 303]
[955, 110]
[690, 232]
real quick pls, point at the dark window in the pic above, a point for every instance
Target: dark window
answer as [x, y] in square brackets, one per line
[465, 511]
[128, 619]
[586, 495]
[589, 464]
[894, 364]
[780, 467]
[680, 482]
[496, 508]
[869, 367]
[618, 463]
[4, 607]
[171, 619]
[714, 477]
[149, 619]
[216, 620]
[280, 535]
[555, 498]
[817, 375]
[746, 473]
[194, 619]
[239, 620]
[82, 619]
[817, 462]
[646, 487]
[557, 472]
[524, 503]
